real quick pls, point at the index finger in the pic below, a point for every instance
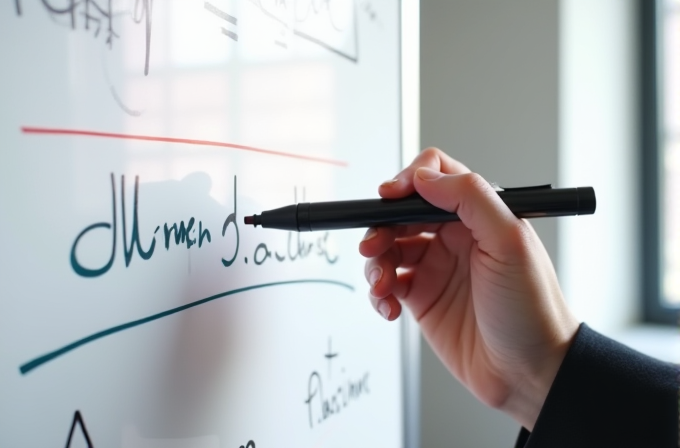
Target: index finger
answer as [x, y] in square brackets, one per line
[378, 240]
[402, 184]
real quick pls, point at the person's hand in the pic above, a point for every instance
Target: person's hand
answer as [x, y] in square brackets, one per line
[483, 290]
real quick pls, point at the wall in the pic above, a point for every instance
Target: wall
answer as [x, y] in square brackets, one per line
[489, 97]
[598, 141]
[529, 92]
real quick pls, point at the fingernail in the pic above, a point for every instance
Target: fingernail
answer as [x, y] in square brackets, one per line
[384, 309]
[374, 276]
[428, 174]
[370, 233]
[389, 183]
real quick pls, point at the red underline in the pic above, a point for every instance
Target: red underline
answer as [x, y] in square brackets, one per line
[186, 141]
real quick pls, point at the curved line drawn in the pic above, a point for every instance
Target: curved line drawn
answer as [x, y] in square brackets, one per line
[186, 141]
[39, 361]
[123, 106]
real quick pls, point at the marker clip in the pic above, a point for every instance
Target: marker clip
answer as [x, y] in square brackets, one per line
[533, 187]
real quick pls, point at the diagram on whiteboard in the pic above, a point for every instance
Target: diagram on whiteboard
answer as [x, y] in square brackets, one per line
[330, 24]
[128, 31]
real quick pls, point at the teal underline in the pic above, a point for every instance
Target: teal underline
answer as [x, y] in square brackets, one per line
[37, 362]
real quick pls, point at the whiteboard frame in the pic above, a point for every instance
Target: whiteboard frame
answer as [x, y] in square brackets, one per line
[410, 147]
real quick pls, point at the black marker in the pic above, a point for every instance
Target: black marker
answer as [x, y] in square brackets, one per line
[524, 202]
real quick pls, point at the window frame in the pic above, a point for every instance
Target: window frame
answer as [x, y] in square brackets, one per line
[650, 151]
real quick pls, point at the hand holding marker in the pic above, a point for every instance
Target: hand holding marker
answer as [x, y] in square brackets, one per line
[483, 290]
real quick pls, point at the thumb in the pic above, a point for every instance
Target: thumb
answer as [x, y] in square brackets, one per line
[495, 228]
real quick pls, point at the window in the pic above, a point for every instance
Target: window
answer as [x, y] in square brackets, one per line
[660, 62]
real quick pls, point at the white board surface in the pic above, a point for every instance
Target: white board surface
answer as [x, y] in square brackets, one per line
[136, 308]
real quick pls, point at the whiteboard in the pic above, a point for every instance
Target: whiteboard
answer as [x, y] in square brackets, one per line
[136, 309]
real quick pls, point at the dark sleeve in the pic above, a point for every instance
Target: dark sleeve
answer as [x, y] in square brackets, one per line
[607, 395]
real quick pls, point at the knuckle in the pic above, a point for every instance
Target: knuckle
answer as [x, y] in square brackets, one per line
[430, 157]
[431, 151]
[518, 238]
[368, 266]
[474, 181]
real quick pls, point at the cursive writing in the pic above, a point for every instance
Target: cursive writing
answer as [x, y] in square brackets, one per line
[298, 248]
[189, 233]
[181, 234]
[322, 405]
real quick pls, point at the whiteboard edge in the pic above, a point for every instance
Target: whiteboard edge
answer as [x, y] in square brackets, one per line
[410, 146]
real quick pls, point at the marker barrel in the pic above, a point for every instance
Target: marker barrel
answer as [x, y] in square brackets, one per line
[524, 203]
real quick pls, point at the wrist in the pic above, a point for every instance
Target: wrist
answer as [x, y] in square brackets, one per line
[531, 390]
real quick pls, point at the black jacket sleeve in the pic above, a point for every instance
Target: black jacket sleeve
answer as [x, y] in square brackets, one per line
[608, 395]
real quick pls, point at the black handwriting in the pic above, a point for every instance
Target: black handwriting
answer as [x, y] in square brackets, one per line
[143, 12]
[134, 238]
[184, 233]
[75, 264]
[179, 233]
[98, 15]
[324, 407]
[297, 249]
[231, 219]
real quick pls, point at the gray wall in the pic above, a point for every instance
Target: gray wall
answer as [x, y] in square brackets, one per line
[489, 97]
